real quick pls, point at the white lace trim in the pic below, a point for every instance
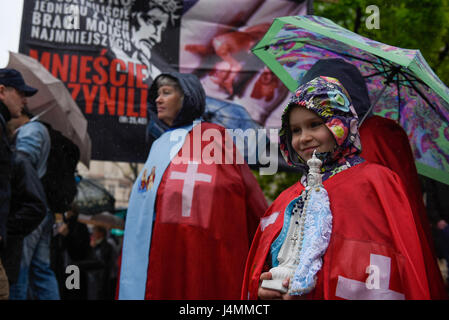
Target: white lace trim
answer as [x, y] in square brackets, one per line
[315, 240]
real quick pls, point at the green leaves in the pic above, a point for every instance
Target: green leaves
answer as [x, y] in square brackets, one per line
[273, 185]
[412, 24]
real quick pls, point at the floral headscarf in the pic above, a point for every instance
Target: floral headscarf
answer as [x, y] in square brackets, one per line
[330, 101]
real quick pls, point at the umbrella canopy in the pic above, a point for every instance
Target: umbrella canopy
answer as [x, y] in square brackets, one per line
[53, 103]
[103, 219]
[93, 198]
[401, 85]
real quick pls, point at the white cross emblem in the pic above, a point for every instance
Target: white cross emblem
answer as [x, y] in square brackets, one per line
[355, 290]
[266, 221]
[189, 177]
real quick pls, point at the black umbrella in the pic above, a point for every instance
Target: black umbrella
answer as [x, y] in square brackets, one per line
[93, 198]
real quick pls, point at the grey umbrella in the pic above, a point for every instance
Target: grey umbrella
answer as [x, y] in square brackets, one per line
[53, 103]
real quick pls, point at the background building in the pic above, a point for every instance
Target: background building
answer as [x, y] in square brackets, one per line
[116, 177]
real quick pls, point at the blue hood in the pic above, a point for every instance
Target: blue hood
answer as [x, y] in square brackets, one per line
[194, 99]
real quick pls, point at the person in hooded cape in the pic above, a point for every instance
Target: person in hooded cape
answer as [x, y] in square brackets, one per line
[385, 142]
[191, 215]
[365, 241]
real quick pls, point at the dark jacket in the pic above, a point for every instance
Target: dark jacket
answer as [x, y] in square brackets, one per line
[27, 210]
[5, 172]
[437, 201]
[72, 249]
[28, 205]
[103, 287]
[193, 106]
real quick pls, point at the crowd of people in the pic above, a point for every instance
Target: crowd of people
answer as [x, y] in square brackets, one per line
[355, 226]
[33, 254]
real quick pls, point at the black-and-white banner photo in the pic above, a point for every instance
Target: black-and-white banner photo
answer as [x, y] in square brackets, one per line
[107, 52]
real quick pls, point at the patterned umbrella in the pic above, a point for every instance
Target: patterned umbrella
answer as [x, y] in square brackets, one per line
[400, 83]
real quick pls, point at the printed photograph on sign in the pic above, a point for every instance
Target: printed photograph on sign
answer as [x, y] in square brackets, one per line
[107, 53]
[222, 56]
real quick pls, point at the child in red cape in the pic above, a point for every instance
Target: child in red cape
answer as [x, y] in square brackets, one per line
[373, 249]
[386, 143]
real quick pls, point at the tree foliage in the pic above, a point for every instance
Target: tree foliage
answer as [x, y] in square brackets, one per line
[411, 24]
[273, 185]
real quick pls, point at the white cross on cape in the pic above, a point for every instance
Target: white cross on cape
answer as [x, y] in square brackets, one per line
[190, 177]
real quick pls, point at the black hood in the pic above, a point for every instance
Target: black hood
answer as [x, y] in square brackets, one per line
[194, 99]
[349, 76]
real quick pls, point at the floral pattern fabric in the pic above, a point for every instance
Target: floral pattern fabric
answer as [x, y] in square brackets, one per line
[330, 101]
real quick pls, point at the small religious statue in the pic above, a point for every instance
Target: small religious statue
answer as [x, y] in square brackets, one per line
[290, 252]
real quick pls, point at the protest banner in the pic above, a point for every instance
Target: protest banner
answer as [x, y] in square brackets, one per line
[107, 52]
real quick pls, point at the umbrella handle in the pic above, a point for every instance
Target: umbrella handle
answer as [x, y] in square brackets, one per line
[36, 117]
[394, 71]
[373, 104]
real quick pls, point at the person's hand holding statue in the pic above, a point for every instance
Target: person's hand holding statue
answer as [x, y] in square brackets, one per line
[268, 294]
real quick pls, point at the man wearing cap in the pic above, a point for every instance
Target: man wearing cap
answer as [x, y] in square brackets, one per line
[13, 93]
[36, 279]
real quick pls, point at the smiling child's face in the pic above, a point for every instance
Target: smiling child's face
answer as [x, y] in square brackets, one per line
[309, 132]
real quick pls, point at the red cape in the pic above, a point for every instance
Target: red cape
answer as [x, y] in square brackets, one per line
[386, 143]
[200, 253]
[371, 218]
